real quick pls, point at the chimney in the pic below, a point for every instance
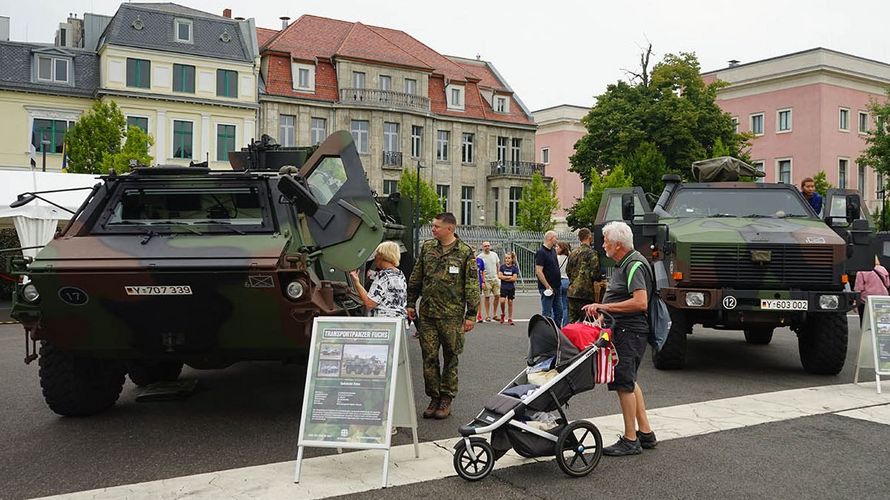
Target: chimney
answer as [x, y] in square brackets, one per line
[733, 63]
[227, 13]
[284, 21]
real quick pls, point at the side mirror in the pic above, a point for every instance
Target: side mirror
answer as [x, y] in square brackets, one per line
[627, 207]
[853, 207]
[650, 224]
[298, 195]
[22, 200]
[860, 232]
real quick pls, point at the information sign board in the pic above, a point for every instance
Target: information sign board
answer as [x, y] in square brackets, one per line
[874, 345]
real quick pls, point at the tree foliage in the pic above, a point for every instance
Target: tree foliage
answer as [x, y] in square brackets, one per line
[583, 213]
[430, 203]
[821, 182]
[535, 210]
[95, 143]
[672, 109]
[877, 151]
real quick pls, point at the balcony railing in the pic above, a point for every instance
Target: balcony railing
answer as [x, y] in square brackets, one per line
[392, 159]
[520, 168]
[385, 99]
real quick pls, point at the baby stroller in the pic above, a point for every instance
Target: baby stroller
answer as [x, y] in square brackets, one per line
[577, 445]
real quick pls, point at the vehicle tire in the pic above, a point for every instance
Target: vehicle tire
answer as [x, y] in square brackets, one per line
[759, 336]
[469, 469]
[579, 448]
[76, 386]
[147, 373]
[672, 355]
[822, 343]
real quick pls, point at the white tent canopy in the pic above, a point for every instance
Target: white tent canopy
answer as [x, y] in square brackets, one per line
[36, 222]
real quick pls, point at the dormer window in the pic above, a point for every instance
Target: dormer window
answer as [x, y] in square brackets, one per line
[183, 30]
[455, 96]
[303, 77]
[52, 69]
[501, 104]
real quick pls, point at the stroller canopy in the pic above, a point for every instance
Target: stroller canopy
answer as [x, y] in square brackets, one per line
[545, 340]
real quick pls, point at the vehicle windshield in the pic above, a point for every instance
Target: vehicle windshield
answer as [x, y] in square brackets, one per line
[773, 203]
[194, 206]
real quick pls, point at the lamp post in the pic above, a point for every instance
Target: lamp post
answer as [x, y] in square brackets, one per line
[417, 212]
[45, 143]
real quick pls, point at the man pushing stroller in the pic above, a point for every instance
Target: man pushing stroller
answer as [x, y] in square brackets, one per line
[627, 299]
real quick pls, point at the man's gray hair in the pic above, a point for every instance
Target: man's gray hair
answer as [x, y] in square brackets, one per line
[619, 232]
[549, 234]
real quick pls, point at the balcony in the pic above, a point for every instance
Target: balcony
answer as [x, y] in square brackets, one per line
[515, 168]
[392, 159]
[385, 99]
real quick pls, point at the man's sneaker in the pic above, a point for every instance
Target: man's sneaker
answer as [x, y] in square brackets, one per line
[511, 322]
[431, 409]
[623, 447]
[502, 318]
[444, 409]
[647, 439]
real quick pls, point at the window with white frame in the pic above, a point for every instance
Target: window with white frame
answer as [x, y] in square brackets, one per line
[359, 131]
[442, 193]
[140, 122]
[358, 79]
[516, 150]
[842, 164]
[783, 171]
[760, 168]
[863, 122]
[391, 137]
[757, 124]
[50, 130]
[502, 149]
[502, 104]
[783, 120]
[455, 95]
[442, 145]
[182, 139]
[385, 82]
[466, 148]
[184, 30]
[225, 141]
[545, 156]
[513, 205]
[53, 69]
[843, 119]
[416, 141]
[287, 135]
[735, 124]
[861, 179]
[303, 76]
[410, 86]
[318, 131]
[497, 205]
[466, 205]
[390, 187]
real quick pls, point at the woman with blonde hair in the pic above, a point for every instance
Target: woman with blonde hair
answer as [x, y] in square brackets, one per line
[388, 295]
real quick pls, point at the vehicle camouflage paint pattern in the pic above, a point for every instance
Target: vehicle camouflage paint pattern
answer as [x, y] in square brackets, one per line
[731, 254]
[166, 266]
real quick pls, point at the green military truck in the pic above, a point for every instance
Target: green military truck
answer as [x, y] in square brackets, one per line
[168, 266]
[749, 256]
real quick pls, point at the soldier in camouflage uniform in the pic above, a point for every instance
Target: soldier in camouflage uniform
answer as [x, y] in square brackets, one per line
[446, 276]
[583, 269]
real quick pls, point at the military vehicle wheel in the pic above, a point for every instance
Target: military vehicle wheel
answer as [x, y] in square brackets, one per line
[147, 373]
[76, 386]
[822, 343]
[672, 355]
[759, 336]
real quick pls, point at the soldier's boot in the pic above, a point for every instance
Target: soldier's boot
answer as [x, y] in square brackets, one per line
[430, 411]
[444, 409]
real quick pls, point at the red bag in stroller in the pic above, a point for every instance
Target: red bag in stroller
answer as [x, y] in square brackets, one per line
[584, 334]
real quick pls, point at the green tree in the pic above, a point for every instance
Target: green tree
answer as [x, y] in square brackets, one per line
[672, 109]
[535, 210]
[646, 165]
[99, 132]
[583, 213]
[822, 184]
[877, 152]
[430, 203]
[135, 149]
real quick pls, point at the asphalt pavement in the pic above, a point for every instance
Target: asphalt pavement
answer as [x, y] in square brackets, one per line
[248, 414]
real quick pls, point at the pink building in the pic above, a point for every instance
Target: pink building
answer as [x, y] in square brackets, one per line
[559, 128]
[808, 112]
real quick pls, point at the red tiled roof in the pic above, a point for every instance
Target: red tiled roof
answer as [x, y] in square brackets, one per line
[310, 37]
[440, 64]
[487, 78]
[263, 35]
[280, 82]
[364, 43]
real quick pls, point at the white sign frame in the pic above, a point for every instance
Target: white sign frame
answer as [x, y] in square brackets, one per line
[868, 342]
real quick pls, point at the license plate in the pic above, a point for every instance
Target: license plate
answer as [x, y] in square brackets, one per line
[784, 305]
[159, 290]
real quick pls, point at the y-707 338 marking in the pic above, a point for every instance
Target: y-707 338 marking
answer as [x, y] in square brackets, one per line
[159, 290]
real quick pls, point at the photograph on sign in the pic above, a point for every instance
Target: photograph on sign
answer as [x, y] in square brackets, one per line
[350, 383]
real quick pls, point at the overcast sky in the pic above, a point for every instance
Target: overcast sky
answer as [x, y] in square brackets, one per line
[557, 52]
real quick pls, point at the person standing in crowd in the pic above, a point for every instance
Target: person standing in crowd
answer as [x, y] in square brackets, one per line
[480, 270]
[808, 190]
[491, 288]
[583, 269]
[627, 300]
[563, 249]
[508, 274]
[874, 282]
[445, 275]
[547, 272]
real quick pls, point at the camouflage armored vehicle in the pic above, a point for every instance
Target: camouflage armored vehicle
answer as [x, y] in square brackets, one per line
[364, 366]
[168, 266]
[746, 256]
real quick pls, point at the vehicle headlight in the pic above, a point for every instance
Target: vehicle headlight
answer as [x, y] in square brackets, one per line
[294, 290]
[30, 293]
[829, 301]
[695, 299]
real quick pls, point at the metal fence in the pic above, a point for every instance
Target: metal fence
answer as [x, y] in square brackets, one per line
[523, 243]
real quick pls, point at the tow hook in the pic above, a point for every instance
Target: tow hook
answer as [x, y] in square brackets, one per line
[30, 347]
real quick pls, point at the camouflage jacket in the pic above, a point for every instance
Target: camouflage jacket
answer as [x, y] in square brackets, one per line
[446, 280]
[583, 268]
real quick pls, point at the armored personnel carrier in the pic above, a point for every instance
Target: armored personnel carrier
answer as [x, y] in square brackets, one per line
[750, 256]
[168, 266]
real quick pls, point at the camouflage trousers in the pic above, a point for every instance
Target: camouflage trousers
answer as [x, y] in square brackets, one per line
[576, 315]
[449, 334]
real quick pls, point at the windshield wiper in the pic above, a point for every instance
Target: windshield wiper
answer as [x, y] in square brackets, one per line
[723, 215]
[179, 223]
[127, 221]
[225, 224]
[758, 216]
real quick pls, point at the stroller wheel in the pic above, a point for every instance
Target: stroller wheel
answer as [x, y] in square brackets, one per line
[470, 468]
[579, 448]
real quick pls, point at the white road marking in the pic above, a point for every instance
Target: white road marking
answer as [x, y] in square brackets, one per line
[361, 470]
